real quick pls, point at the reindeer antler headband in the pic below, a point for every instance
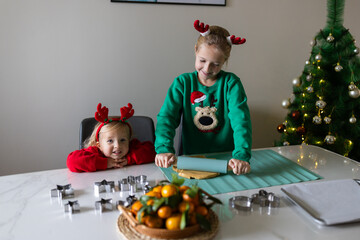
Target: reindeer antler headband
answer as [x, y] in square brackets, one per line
[102, 116]
[204, 31]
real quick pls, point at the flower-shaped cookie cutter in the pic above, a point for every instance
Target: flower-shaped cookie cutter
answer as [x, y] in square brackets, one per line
[262, 198]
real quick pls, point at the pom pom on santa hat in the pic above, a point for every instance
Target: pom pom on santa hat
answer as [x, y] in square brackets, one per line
[197, 97]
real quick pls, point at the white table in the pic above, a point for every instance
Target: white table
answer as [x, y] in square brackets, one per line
[28, 212]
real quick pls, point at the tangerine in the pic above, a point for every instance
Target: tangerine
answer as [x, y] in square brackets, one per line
[150, 202]
[202, 210]
[153, 221]
[153, 194]
[157, 189]
[169, 190]
[173, 222]
[183, 205]
[136, 206]
[183, 188]
[192, 219]
[195, 200]
[164, 212]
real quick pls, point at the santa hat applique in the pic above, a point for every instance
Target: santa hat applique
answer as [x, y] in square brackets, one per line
[197, 97]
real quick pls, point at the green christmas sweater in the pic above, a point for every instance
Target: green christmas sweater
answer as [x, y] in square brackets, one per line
[215, 118]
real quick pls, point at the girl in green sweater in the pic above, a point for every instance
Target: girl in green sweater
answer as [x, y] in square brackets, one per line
[213, 104]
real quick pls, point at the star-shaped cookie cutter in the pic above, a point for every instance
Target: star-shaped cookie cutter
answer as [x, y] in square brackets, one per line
[104, 205]
[104, 186]
[72, 207]
[62, 191]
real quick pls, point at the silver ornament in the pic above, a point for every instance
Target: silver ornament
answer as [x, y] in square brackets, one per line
[320, 104]
[310, 89]
[352, 120]
[327, 120]
[330, 38]
[285, 103]
[317, 120]
[312, 42]
[318, 57]
[308, 78]
[352, 87]
[286, 143]
[292, 98]
[307, 62]
[338, 68]
[356, 50]
[354, 93]
[296, 82]
[329, 139]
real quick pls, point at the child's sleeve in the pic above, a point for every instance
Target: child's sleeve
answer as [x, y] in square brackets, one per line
[86, 160]
[169, 117]
[239, 115]
[140, 152]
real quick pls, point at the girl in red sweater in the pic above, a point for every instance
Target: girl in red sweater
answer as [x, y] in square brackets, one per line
[110, 145]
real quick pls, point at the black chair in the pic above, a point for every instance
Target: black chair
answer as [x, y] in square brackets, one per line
[142, 127]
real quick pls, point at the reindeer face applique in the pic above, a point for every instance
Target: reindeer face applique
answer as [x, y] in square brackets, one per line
[205, 119]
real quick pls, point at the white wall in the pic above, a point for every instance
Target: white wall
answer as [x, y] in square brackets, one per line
[58, 59]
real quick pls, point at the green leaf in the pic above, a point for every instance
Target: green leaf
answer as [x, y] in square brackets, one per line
[157, 204]
[144, 198]
[176, 180]
[212, 198]
[192, 191]
[203, 222]
[173, 201]
[183, 221]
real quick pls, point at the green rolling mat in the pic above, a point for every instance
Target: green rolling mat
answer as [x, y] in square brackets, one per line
[268, 168]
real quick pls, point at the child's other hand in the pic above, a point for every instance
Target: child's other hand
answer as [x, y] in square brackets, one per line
[165, 160]
[116, 163]
[239, 167]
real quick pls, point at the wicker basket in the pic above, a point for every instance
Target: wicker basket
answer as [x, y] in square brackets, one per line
[131, 229]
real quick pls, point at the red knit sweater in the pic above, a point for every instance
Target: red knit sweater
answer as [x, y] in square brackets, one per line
[92, 159]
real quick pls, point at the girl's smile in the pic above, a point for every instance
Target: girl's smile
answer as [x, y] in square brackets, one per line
[208, 63]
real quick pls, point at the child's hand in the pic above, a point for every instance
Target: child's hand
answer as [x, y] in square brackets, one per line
[239, 167]
[165, 159]
[116, 163]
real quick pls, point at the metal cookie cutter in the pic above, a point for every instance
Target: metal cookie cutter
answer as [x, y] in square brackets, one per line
[241, 203]
[62, 191]
[104, 186]
[72, 207]
[265, 199]
[104, 205]
[123, 185]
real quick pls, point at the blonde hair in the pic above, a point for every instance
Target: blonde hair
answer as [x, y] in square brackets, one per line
[112, 126]
[217, 38]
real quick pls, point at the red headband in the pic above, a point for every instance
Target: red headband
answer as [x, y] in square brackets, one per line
[204, 30]
[102, 116]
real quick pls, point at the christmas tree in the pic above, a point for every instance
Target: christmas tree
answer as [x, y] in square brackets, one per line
[324, 109]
